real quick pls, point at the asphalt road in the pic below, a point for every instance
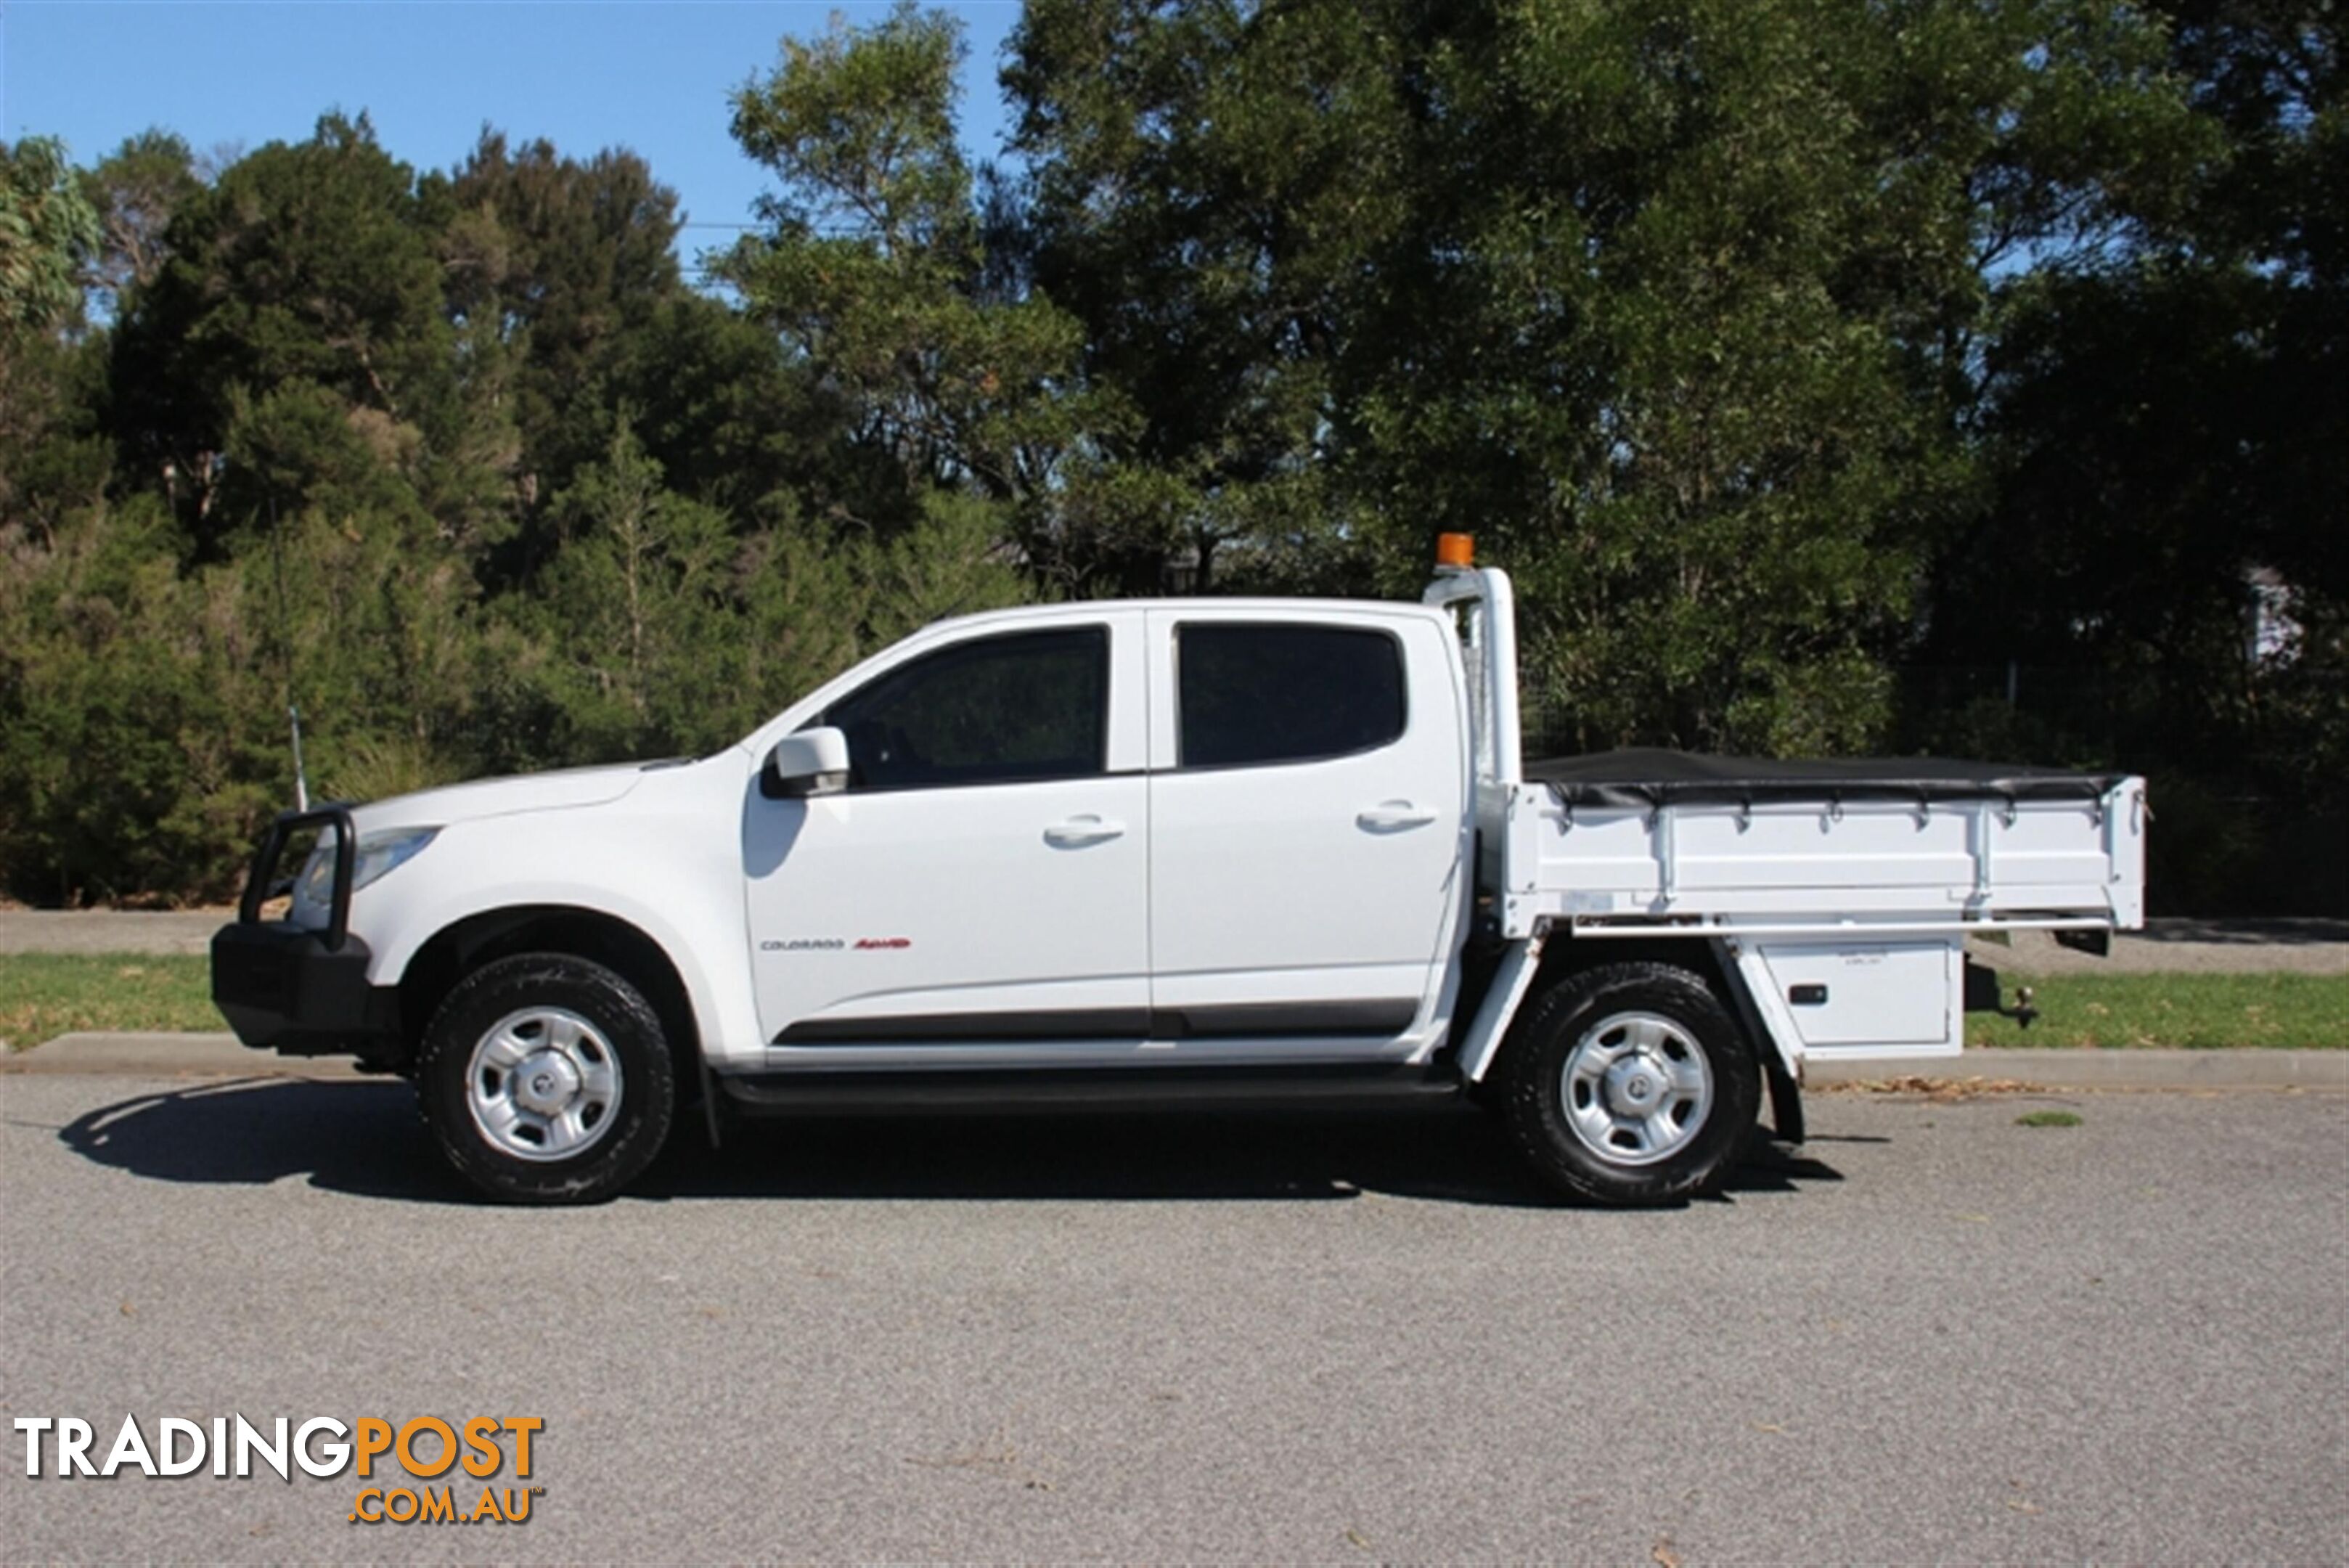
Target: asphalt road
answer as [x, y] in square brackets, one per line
[1936, 1335]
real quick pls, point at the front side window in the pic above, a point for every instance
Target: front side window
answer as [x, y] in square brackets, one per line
[1258, 694]
[1034, 705]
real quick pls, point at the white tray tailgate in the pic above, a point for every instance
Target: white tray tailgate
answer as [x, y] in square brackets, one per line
[1862, 999]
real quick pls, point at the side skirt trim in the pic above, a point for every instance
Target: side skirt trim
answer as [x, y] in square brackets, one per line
[820, 1093]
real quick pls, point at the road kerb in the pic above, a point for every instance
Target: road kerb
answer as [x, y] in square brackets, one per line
[169, 1057]
[2242, 1068]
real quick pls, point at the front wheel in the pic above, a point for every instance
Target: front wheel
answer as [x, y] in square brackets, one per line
[1629, 1084]
[548, 1079]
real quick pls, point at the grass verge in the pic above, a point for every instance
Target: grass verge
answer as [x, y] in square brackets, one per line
[2196, 1012]
[43, 995]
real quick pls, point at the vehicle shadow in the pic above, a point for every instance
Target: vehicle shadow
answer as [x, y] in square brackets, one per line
[2244, 932]
[365, 1139]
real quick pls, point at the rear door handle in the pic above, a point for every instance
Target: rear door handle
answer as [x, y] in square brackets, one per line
[1392, 816]
[1080, 831]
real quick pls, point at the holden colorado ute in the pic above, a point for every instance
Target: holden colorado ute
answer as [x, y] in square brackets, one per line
[1203, 850]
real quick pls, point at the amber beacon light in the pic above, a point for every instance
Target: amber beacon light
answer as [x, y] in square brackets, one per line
[1456, 551]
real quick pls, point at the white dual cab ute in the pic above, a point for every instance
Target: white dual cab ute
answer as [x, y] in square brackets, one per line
[1199, 850]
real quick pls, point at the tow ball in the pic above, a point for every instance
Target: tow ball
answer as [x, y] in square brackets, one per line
[1982, 995]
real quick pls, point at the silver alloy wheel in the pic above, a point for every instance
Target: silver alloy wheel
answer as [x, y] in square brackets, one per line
[543, 1084]
[1636, 1088]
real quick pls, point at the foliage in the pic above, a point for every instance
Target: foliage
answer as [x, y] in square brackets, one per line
[1902, 377]
[48, 230]
[875, 268]
[134, 190]
[2166, 440]
[455, 463]
[1669, 302]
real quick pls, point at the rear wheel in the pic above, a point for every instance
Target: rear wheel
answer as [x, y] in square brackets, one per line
[548, 1079]
[1629, 1084]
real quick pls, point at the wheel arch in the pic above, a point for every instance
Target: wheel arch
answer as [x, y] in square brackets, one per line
[464, 945]
[1563, 957]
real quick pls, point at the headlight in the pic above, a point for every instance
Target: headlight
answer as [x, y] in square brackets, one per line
[378, 853]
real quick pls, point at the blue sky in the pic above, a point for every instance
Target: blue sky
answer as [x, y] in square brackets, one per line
[652, 77]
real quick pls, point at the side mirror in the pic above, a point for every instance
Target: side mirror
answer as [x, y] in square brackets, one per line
[814, 762]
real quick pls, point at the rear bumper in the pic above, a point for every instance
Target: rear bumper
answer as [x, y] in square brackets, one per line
[281, 989]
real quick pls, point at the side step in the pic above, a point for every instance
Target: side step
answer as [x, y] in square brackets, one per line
[997, 1090]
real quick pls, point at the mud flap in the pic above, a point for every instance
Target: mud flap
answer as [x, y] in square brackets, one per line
[708, 1098]
[1785, 1100]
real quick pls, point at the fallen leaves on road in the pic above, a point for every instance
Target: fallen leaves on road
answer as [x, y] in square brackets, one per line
[1935, 1091]
[1663, 1553]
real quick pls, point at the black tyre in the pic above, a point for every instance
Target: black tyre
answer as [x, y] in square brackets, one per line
[548, 1079]
[1629, 1084]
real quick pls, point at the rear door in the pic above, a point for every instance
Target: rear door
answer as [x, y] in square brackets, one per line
[1307, 799]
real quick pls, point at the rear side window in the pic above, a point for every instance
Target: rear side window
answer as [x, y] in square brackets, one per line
[1255, 694]
[1029, 706]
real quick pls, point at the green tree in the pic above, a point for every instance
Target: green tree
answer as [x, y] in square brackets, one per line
[135, 189]
[130, 762]
[873, 271]
[1791, 355]
[1679, 306]
[304, 263]
[634, 591]
[672, 631]
[732, 422]
[1208, 187]
[549, 264]
[51, 458]
[2162, 561]
[564, 290]
[47, 231]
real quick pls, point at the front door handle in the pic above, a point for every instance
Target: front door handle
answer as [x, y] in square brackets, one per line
[1392, 816]
[1080, 831]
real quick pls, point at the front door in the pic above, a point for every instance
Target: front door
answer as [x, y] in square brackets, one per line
[983, 881]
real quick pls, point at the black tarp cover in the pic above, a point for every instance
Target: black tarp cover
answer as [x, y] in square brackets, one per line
[1651, 776]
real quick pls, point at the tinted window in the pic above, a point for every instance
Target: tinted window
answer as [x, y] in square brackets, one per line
[1033, 706]
[1286, 693]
